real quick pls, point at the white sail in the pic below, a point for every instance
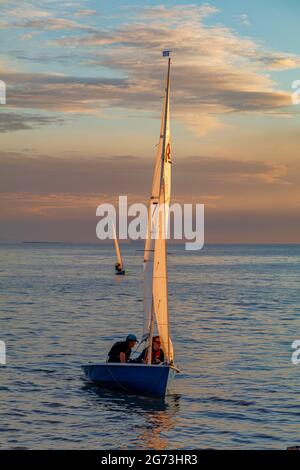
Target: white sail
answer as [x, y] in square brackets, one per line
[118, 252]
[151, 230]
[155, 258]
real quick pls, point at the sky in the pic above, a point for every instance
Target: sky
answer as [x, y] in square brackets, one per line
[84, 85]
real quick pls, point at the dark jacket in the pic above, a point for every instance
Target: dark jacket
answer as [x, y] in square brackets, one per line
[114, 353]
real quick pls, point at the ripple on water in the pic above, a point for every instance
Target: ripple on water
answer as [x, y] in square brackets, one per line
[234, 316]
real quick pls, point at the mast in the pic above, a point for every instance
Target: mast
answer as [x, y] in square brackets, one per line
[155, 257]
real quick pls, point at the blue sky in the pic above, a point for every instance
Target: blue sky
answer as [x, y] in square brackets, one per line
[273, 23]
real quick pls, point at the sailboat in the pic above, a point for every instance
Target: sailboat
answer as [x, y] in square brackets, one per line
[119, 266]
[147, 378]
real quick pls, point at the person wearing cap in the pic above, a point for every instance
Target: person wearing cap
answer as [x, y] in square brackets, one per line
[121, 351]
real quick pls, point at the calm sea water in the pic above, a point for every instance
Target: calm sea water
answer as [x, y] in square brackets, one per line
[235, 312]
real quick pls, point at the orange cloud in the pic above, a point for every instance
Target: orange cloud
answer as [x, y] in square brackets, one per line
[215, 71]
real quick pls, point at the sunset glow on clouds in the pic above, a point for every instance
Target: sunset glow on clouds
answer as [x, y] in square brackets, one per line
[84, 86]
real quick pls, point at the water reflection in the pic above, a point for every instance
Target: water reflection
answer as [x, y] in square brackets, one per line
[159, 424]
[233, 322]
[158, 415]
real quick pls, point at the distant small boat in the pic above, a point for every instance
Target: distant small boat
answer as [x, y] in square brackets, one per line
[149, 379]
[119, 266]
